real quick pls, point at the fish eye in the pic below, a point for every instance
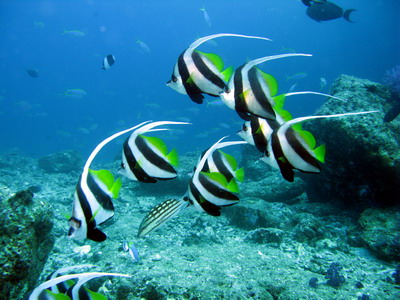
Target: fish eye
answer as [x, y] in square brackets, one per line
[267, 154]
[244, 127]
[227, 89]
[174, 78]
[122, 165]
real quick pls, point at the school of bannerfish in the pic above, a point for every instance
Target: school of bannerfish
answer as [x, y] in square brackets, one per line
[249, 91]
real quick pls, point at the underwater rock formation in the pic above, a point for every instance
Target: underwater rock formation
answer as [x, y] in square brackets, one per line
[61, 162]
[362, 166]
[25, 240]
[380, 232]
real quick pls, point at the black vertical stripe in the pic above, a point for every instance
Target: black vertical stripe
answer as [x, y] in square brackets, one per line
[208, 207]
[133, 165]
[240, 104]
[206, 71]
[284, 166]
[87, 211]
[191, 88]
[219, 163]
[215, 190]
[152, 157]
[300, 150]
[259, 95]
[101, 196]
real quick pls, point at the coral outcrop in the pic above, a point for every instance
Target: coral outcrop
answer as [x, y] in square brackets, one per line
[25, 239]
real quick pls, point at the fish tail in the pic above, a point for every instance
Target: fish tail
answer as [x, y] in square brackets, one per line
[347, 13]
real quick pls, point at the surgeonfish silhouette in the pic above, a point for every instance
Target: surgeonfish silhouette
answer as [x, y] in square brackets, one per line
[92, 199]
[323, 10]
[197, 73]
[212, 186]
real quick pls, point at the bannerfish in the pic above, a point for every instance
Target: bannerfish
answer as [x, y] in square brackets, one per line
[197, 73]
[290, 147]
[257, 131]
[62, 287]
[326, 11]
[75, 93]
[34, 73]
[223, 163]
[208, 191]
[145, 158]
[251, 91]
[42, 292]
[92, 199]
[76, 33]
[108, 61]
[206, 16]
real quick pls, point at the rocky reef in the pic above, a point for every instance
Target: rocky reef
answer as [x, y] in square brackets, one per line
[25, 239]
[363, 158]
[61, 162]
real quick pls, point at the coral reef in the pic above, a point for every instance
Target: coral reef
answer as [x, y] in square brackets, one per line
[25, 227]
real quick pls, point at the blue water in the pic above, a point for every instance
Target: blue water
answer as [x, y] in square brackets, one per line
[37, 119]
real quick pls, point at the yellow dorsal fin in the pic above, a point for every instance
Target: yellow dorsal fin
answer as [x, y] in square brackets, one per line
[172, 157]
[239, 174]
[271, 82]
[104, 176]
[227, 73]
[116, 188]
[320, 153]
[215, 59]
[230, 160]
[233, 186]
[279, 101]
[156, 142]
[217, 177]
[308, 138]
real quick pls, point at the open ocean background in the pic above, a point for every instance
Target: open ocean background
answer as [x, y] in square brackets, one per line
[36, 119]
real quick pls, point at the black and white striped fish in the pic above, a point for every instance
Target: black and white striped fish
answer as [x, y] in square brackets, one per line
[93, 198]
[197, 73]
[108, 61]
[62, 287]
[223, 163]
[41, 292]
[145, 158]
[290, 147]
[208, 190]
[257, 131]
[251, 91]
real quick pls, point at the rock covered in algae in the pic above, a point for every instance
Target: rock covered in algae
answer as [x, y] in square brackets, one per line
[380, 232]
[362, 166]
[61, 162]
[25, 240]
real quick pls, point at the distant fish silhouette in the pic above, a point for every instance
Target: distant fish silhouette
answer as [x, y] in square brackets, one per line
[33, 73]
[323, 10]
